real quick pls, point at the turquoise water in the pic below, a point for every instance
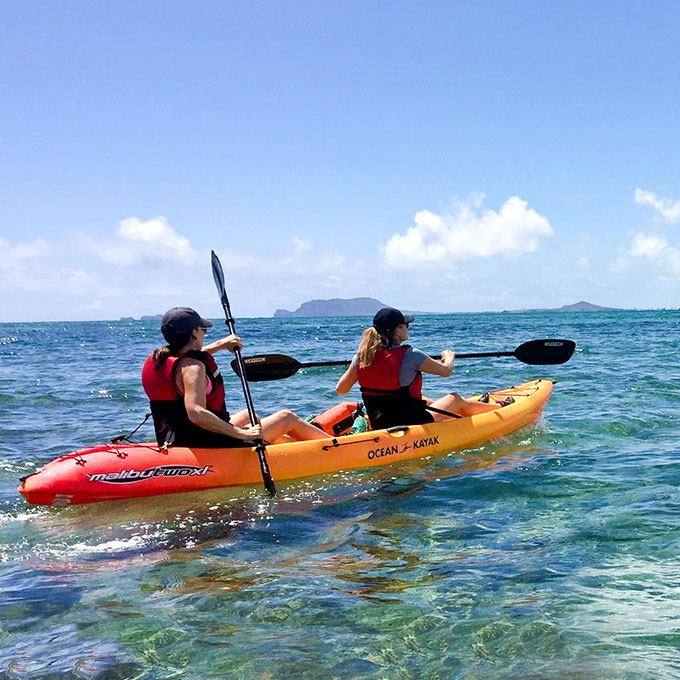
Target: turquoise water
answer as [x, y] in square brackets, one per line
[552, 553]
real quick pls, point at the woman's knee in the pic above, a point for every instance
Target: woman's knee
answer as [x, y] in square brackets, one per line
[240, 418]
[285, 415]
[453, 398]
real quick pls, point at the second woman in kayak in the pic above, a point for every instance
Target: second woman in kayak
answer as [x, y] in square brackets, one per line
[389, 374]
[186, 392]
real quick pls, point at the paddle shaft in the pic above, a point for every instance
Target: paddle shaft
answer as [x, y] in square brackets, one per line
[239, 360]
[347, 362]
[229, 320]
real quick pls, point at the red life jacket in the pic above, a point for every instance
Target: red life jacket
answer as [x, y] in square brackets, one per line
[387, 402]
[159, 383]
[171, 421]
[382, 374]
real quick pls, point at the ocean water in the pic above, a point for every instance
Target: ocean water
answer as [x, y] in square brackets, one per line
[552, 553]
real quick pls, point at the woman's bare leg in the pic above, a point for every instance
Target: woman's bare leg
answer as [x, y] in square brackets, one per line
[240, 419]
[286, 422]
[454, 403]
[281, 423]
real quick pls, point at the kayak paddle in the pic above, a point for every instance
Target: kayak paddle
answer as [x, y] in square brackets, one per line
[218, 275]
[262, 367]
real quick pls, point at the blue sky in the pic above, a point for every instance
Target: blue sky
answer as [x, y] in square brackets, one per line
[440, 156]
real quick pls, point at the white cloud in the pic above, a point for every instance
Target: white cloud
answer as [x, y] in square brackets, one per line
[83, 268]
[301, 245]
[656, 248]
[648, 245]
[156, 231]
[20, 251]
[38, 267]
[143, 267]
[469, 233]
[137, 240]
[669, 209]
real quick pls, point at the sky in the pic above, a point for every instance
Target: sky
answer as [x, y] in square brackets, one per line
[439, 156]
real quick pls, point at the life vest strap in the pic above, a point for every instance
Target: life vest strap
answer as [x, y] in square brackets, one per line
[377, 391]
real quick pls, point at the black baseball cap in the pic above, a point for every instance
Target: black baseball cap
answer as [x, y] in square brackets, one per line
[180, 321]
[387, 319]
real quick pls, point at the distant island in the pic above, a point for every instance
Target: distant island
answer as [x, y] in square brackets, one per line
[146, 317]
[581, 306]
[365, 306]
[361, 306]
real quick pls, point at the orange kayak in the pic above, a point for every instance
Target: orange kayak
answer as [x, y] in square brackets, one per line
[119, 471]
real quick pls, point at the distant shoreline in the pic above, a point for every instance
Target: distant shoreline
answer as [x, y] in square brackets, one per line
[559, 310]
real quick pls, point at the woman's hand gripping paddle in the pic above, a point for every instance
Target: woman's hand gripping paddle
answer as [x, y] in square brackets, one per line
[218, 275]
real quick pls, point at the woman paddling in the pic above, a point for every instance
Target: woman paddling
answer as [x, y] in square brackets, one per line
[390, 376]
[186, 392]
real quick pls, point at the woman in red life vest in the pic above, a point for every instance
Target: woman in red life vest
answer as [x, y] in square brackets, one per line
[186, 392]
[390, 376]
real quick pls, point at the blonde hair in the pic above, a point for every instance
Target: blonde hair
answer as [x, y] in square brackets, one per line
[371, 342]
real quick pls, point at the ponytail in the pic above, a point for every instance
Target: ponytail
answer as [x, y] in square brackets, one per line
[371, 342]
[172, 349]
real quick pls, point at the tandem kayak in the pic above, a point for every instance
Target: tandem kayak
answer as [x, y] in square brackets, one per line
[121, 471]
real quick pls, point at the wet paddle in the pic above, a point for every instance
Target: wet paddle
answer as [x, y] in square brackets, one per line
[218, 275]
[262, 367]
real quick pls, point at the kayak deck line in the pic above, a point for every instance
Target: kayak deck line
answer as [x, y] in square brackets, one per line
[123, 471]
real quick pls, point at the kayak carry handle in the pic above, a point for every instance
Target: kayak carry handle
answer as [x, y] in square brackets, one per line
[398, 428]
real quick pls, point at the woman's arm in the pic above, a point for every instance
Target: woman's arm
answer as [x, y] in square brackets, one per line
[231, 342]
[194, 384]
[443, 368]
[348, 378]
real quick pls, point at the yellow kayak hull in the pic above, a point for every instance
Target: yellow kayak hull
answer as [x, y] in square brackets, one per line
[119, 471]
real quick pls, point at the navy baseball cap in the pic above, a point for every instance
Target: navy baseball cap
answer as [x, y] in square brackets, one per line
[387, 319]
[180, 321]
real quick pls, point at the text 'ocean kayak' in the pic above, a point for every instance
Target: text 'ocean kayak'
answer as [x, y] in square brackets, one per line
[120, 471]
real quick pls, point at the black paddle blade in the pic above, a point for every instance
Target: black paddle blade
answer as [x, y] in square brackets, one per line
[264, 468]
[260, 367]
[218, 274]
[270, 486]
[544, 352]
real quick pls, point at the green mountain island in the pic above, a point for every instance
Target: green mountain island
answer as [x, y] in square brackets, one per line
[361, 306]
